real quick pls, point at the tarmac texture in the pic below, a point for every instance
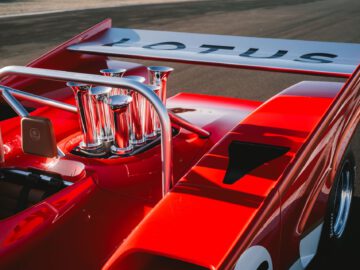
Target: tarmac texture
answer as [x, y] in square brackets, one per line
[27, 37]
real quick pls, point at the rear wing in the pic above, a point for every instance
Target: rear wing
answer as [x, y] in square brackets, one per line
[296, 56]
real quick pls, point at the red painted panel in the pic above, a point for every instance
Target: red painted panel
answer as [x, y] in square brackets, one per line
[220, 213]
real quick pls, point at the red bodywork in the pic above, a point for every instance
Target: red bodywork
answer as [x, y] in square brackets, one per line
[113, 217]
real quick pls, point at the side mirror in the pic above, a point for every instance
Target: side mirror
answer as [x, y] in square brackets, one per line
[37, 136]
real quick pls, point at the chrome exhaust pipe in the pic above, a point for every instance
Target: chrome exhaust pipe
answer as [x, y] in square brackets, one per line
[152, 121]
[114, 72]
[158, 75]
[87, 116]
[119, 108]
[137, 114]
[99, 96]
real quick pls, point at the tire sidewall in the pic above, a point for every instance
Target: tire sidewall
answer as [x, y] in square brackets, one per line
[328, 240]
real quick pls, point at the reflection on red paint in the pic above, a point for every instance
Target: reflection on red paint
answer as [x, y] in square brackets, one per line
[29, 225]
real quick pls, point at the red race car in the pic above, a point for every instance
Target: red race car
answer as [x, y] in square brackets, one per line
[99, 170]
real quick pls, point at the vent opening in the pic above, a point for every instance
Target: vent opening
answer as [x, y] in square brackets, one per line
[245, 157]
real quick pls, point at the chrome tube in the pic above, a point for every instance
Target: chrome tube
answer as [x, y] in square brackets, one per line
[115, 72]
[87, 116]
[166, 134]
[137, 118]
[14, 103]
[41, 100]
[99, 96]
[70, 108]
[119, 107]
[137, 114]
[152, 121]
[202, 133]
[158, 75]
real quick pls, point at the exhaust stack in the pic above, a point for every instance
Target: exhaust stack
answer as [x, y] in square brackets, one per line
[137, 114]
[119, 107]
[158, 75]
[99, 97]
[118, 121]
[152, 121]
[87, 116]
[114, 72]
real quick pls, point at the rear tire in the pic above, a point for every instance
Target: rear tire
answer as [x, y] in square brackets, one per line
[339, 205]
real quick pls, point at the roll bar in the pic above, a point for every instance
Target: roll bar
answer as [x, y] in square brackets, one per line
[56, 75]
[202, 133]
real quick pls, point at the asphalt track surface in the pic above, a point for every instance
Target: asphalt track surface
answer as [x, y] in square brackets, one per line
[27, 37]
